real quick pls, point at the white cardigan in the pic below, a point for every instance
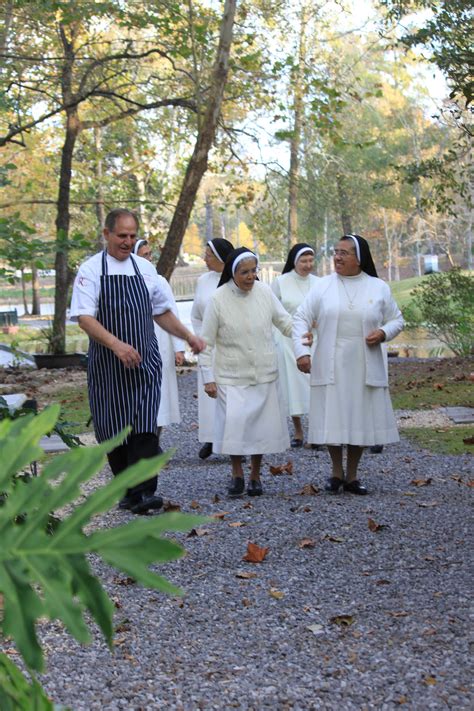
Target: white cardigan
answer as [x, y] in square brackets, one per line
[239, 324]
[380, 311]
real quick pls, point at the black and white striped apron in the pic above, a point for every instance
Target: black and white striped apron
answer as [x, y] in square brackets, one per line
[121, 396]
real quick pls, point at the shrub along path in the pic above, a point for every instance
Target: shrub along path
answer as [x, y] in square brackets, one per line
[359, 603]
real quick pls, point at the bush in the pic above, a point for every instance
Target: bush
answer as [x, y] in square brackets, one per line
[45, 572]
[444, 304]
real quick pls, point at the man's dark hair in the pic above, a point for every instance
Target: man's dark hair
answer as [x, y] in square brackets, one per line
[114, 215]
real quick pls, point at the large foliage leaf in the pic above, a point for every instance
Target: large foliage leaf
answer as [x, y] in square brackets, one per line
[17, 693]
[48, 575]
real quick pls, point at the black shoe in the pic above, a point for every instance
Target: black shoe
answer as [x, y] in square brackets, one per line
[205, 451]
[236, 488]
[377, 449]
[295, 442]
[355, 487]
[147, 503]
[254, 487]
[126, 503]
[333, 485]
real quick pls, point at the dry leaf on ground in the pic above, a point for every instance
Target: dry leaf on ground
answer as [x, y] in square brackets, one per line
[309, 490]
[220, 515]
[237, 524]
[400, 613]
[245, 575]
[282, 469]
[374, 526]
[170, 506]
[277, 594]
[306, 543]
[333, 539]
[427, 504]
[429, 680]
[468, 440]
[421, 482]
[343, 620]
[255, 553]
[197, 533]
[315, 629]
[195, 505]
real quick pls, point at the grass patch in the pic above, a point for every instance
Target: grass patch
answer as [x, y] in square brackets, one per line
[74, 403]
[401, 290]
[440, 382]
[446, 441]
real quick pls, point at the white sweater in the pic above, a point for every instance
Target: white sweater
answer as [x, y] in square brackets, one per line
[322, 304]
[239, 324]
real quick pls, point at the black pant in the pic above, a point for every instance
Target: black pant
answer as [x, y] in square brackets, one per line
[139, 446]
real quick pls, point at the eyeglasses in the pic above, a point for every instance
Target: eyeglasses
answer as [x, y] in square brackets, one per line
[245, 272]
[342, 253]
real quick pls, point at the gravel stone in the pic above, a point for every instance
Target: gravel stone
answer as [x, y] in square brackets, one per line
[228, 644]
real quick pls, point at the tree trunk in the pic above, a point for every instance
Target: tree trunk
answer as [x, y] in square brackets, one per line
[63, 217]
[295, 141]
[197, 165]
[23, 293]
[344, 205]
[99, 175]
[35, 289]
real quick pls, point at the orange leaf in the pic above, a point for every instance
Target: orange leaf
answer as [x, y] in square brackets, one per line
[220, 515]
[333, 539]
[429, 681]
[343, 620]
[255, 553]
[237, 524]
[306, 543]
[246, 602]
[401, 613]
[197, 532]
[374, 526]
[245, 575]
[248, 505]
[282, 469]
[421, 482]
[277, 594]
[309, 490]
[195, 505]
[169, 506]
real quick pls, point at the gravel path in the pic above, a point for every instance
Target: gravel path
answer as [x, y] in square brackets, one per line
[271, 635]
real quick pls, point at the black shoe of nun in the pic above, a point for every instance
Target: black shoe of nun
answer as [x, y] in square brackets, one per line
[205, 451]
[254, 487]
[355, 487]
[333, 485]
[236, 488]
[142, 504]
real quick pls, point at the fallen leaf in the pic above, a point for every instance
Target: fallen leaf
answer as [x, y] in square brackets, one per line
[409, 493]
[315, 629]
[438, 386]
[246, 602]
[277, 594]
[309, 490]
[282, 469]
[343, 620]
[220, 515]
[401, 700]
[427, 504]
[124, 581]
[245, 575]
[352, 658]
[237, 524]
[470, 483]
[306, 543]
[400, 613]
[197, 532]
[333, 539]
[215, 499]
[170, 506]
[429, 680]
[468, 440]
[195, 505]
[429, 557]
[248, 505]
[421, 482]
[382, 582]
[255, 553]
[374, 526]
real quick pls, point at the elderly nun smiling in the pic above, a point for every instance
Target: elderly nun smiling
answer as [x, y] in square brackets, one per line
[238, 322]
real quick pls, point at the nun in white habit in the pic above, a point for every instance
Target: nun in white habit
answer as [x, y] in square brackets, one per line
[172, 351]
[215, 255]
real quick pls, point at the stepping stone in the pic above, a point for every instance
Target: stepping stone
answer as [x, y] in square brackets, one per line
[53, 444]
[461, 415]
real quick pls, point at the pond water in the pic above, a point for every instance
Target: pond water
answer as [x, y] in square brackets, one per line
[415, 343]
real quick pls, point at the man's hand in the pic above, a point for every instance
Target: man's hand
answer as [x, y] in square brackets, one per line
[196, 343]
[304, 364]
[179, 358]
[211, 389]
[375, 337]
[127, 354]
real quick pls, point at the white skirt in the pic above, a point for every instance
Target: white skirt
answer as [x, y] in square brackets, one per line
[250, 420]
[169, 402]
[206, 412]
[348, 411]
[294, 384]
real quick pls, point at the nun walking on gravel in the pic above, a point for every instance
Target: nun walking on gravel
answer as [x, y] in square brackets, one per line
[238, 321]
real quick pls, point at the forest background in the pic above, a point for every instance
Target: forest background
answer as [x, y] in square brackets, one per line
[263, 122]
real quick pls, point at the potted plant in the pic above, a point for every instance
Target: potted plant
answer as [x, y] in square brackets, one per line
[57, 360]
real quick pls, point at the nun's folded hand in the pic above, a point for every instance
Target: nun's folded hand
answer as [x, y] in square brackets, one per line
[304, 364]
[211, 389]
[375, 337]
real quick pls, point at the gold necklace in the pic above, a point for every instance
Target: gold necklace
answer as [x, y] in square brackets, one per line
[350, 301]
